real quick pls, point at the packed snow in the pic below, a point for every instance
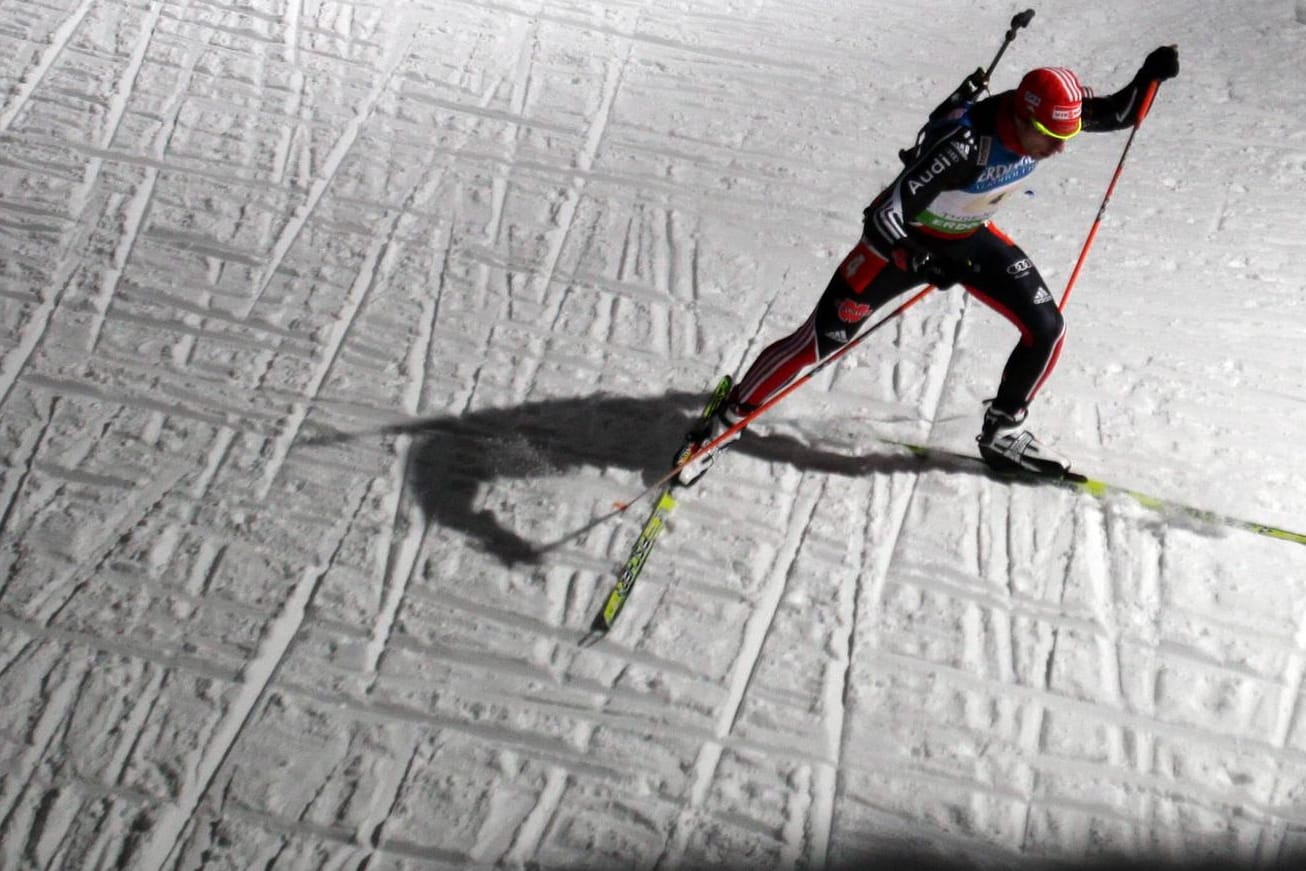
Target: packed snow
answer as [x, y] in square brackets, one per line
[330, 332]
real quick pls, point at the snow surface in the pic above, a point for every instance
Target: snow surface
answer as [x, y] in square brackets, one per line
[329, 328]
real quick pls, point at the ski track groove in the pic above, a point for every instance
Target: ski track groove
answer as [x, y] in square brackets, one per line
[866, 596]
[1072, 706]
[1192, 793]
[566, 215]
[217, 452]
[137, 208]
[527, 839]
[287, 830]
[400, 558]
[1024, 607]
[151, 654]
[400, 563]
[1152, 584]
[118, 100]
[555, 751]
[824, 806]
[134, 509]
[762, 619]
[371, 829]
[834, 694]
[139, 202]
[534, 826]
[39, 739]
[294, 11]
[1274, 839]
[133, 724]
[1101, 538]
[756, 631]
[28, 450]
[689, 48]
[549, 750]
[291, 151]
[257, 674]
[398, 52]
[30, 82]
[661, 316]
[373, 271]
[1033, 738]
[499, 190]
[300, 824]
[517, 114]
[31, 334]
[493, 231]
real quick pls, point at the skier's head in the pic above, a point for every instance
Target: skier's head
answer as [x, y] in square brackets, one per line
[1048, 107]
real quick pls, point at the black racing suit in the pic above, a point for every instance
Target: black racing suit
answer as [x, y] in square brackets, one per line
[940, 205]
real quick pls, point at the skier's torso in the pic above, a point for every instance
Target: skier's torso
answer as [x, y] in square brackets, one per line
[958, 179]
[967, 166]
[997, 170]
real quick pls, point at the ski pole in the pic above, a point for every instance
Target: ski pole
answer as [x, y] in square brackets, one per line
[977, 81]
[761, 409]
[1019, 20]
[1097, 222]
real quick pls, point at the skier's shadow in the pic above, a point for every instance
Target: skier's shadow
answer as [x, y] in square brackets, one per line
[451, 457]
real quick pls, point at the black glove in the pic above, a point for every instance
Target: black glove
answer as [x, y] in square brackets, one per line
[1161, 64]
[938, 271]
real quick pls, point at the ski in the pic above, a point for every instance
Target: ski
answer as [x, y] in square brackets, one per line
[1100, 489]
[653, 526]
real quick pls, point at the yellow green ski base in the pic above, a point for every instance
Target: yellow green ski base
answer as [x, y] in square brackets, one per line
[1101, 489]
[653, 526]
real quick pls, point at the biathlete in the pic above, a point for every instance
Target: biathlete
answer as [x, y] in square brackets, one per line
[932, 225]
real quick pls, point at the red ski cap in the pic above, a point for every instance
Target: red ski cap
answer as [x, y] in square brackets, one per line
[1052, 99]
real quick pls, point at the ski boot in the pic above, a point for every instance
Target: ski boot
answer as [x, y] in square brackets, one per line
[1006, 447]
[706, 430]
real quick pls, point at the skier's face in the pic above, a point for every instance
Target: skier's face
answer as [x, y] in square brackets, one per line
[1037, 145]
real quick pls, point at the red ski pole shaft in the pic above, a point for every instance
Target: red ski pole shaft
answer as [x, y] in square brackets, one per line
[762, 409]
[1097, 222]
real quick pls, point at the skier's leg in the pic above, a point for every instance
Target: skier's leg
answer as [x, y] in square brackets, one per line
[863, 282]
[776, 366]
[1008, 282]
